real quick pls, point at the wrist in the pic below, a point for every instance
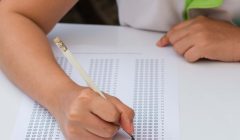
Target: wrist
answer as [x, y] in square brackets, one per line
[54, 100]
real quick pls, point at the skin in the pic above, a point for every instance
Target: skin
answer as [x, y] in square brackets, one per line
[204, 37]
[26, 58]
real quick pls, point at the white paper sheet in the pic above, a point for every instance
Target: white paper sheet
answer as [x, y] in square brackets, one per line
[148, 83]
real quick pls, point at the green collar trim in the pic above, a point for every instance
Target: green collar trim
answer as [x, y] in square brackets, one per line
[236, 21]
[200, 4]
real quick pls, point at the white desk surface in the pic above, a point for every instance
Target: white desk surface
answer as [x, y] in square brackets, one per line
[209, 91]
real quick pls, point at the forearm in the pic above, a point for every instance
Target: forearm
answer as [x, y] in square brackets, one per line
[26, 58]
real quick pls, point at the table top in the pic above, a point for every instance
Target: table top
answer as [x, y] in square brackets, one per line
[209, 92]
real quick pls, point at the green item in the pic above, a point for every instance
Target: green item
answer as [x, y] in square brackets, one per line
[236, 21]
[200, 4]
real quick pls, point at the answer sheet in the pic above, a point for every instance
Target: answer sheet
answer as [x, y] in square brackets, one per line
[145, 82]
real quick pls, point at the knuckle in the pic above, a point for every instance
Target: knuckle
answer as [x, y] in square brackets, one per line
[199, 26]
[85, 94]
[86, 91]
[72, 116]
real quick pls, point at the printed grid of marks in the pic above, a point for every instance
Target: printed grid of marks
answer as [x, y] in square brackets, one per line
[149, 99]
[104, 73]
[42, 125]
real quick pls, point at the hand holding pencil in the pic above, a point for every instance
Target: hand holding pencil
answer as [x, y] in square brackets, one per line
[84, 115]
[87, 113]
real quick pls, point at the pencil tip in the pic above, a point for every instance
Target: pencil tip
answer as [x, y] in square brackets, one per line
[132, 138]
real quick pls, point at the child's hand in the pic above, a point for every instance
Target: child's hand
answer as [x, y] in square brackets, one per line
[203, 37]
[84, 115]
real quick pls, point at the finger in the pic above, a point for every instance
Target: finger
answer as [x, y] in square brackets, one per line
[126, 122]
[127, 115]
[179, 31]
[105, 110]
[176, 35]
[193, 54]
[164, 41]
[183, 24]
[82, 134]
[96, 126]
[184, 44]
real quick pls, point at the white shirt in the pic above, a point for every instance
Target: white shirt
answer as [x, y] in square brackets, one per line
[161, 15]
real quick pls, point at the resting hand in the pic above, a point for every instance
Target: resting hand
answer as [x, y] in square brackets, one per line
[84, 115]
[203, 37]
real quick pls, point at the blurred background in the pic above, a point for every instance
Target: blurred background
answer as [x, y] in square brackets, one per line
[93, 12]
